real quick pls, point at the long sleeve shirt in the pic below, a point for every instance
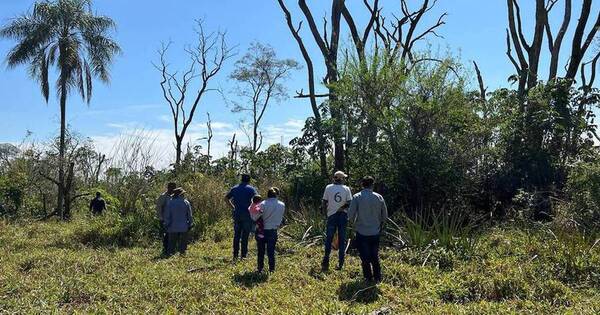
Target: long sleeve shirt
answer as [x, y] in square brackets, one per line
[368, 212]
[178, 215]
[272, 213]
[161, 203]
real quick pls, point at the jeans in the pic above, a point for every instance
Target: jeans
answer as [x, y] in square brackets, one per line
[268, 243]
[368, 249]
[335, 222]
[177, 242]
[241, 231]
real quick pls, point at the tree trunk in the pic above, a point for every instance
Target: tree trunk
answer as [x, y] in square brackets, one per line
[61, 149]
[68, 187]
[178, 142]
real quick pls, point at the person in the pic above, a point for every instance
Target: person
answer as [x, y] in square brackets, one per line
[161, 203]
[272, 211]
[240, 198]
[97, 205]
[368, 211]
[336, 200]
[255, 212]
[178, 221]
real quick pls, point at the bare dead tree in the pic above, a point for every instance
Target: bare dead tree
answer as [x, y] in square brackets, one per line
[206, 61]
[321, 141]
[233, 149]
[482, 88]
[528, 54]
[393, 37]
[400, 36]
[210, 135]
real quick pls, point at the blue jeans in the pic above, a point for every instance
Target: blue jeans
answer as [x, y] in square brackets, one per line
[241, 231]
[336, 221]
[267, 244]
[368, 249]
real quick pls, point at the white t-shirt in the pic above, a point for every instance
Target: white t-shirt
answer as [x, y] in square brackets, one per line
[336, 196]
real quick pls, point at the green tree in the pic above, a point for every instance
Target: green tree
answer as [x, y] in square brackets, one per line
[68, 35]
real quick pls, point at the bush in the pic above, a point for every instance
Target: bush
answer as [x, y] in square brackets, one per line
[114, 230]
[583, 190]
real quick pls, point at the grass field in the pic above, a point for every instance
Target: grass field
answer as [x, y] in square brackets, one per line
[53, 267]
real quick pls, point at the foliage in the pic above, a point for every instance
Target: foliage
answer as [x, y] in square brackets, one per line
[583, 191]
[91, 265]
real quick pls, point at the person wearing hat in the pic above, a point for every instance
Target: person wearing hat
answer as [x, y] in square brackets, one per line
[368, 212]
[336, 199]
[161, 204]
[240, 199]
[178, 221]
[272, 211]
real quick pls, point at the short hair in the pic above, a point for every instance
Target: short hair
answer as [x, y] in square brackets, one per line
[98, 194]
[257, 198]
[273, 192]
[171, 185]
[367, 181]
[245, 178]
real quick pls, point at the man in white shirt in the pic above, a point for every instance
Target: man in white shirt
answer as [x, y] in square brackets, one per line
[336, 199]
[272, 211]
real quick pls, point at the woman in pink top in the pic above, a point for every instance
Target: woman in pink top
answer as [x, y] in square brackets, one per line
[255, 213]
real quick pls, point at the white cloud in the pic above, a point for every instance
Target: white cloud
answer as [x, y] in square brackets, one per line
[163, 142]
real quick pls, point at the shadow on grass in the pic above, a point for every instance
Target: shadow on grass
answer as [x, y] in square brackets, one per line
[250, 279]
[359, 291]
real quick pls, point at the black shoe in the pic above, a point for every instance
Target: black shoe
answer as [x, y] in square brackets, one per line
[325, 265]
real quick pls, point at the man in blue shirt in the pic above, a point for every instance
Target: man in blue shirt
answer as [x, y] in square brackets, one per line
[240, 198]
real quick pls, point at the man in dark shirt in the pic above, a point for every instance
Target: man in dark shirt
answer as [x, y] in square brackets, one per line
[240, 198]
[97, 205]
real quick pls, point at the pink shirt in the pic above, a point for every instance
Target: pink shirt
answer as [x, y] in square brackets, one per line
[255, 210]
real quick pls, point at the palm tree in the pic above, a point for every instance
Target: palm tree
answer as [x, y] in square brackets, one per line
[65, 34]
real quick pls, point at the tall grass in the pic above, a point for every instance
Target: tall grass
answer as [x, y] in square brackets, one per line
[452, 230]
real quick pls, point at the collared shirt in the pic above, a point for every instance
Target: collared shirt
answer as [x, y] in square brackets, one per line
[242, 198]
[161, 203]
[272, 213]
[368, 212]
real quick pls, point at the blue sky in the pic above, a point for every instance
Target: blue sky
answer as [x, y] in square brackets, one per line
[474, 31]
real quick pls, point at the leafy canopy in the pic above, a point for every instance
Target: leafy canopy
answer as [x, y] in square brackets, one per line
[65, 34]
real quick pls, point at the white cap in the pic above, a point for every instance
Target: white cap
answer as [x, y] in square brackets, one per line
[340, 175]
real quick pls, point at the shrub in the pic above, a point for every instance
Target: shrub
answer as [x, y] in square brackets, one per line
[583, 190]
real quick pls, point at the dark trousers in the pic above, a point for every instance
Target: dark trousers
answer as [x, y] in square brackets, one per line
[368, 248]
[165, 237]
[177, 242]
[336, 222]
[241, 232]
[267, 244]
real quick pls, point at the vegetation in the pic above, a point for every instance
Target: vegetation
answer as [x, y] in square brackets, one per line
[91, 265]
[66, 34]
[494, 196]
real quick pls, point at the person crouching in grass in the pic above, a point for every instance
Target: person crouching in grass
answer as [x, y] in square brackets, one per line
[271, 213]
[178, 222]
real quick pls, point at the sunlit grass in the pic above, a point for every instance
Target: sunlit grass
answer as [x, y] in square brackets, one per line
[48, 267]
